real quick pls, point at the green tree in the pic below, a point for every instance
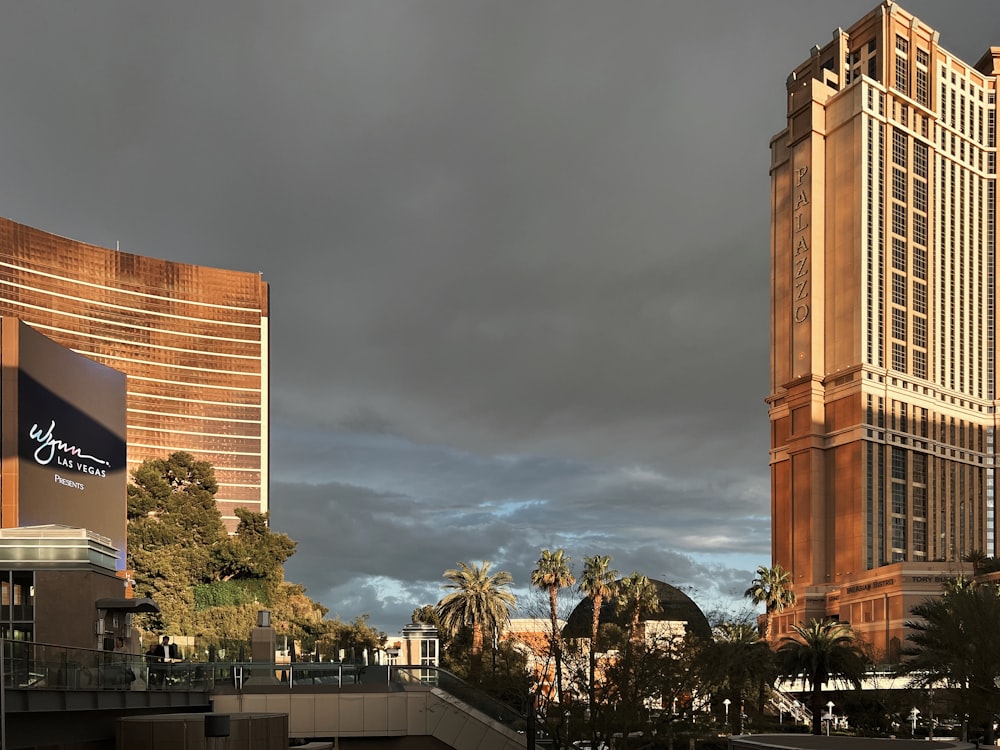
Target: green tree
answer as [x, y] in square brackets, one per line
[773, 588]
[636, 595]
[818, 653]
[207, 583]
[352, 638]
[735, 663]
[173, 526]
[655, 668]
[953, 641]
[597, 583]
[254, 552]
[553, 573]
[480, 601]
[979, 560]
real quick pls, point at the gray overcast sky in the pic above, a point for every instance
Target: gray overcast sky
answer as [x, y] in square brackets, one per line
[518, 255]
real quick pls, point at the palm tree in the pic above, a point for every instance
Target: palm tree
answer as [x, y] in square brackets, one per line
[478, 600]
[773, 588]
[978, 558]
[552, 574]
[597, 583]
[734, 661]
[818, 652]
[635, 595]
[954, 643]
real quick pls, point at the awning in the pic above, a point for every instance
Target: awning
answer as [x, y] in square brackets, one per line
[145, 605]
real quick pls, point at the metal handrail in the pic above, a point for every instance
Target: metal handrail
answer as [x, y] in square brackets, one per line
[34, 666]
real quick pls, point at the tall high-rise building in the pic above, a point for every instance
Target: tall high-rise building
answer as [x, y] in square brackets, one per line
[191, 340]
[883, 391]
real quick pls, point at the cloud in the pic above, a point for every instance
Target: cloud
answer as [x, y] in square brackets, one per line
[518, 255]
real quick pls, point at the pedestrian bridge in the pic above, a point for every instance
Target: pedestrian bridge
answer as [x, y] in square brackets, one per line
[56, 696]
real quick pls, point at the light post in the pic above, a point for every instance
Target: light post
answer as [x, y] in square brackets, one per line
[726, 703]
[914, 713]
[828, 718]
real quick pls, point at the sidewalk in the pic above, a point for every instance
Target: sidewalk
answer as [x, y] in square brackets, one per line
[812, 742]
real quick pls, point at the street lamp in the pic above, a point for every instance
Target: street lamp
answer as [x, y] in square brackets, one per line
[726, 703]
[914, 713]
[828, 718]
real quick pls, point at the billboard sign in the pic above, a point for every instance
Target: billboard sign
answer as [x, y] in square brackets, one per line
[71, 439]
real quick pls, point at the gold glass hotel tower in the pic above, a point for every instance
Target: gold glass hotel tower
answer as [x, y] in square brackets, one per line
[191, 340]
[883, 392]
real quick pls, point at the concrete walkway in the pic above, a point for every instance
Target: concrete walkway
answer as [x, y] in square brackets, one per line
[812, 742]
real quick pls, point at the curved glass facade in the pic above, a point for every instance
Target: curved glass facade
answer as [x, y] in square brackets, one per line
[192, 341]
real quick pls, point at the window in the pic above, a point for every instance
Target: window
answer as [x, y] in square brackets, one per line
[902, 82]
[920, 364]
[899, 184]
[899, 219]
[919, 297]
[919, 331]
[899, 324]
[899, 254]
[899, 498]
[899, 148]
[898, 356]
[919, 263]
[920, 195]
[899, 290]
[920, 538]
[922, 87]
[899, 463]
[920, 159]
[920, 229]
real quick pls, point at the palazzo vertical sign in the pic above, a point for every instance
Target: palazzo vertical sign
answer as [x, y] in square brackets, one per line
[801, 271]
[800, 242]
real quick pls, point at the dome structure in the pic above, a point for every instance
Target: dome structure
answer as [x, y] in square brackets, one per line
[675, 606]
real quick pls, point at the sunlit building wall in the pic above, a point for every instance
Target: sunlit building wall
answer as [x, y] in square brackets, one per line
[883, 322]
[192, 341]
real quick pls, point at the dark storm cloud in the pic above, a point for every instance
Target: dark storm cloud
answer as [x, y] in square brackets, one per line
[518, 254]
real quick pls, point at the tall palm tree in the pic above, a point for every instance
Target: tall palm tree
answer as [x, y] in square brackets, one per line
[597, 583]
[953, 642]
[635, 595]
[773, 588]
[819, 652]
[478, 600]
[552, 574]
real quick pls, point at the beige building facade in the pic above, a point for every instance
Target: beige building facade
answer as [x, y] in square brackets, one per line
[883, 365]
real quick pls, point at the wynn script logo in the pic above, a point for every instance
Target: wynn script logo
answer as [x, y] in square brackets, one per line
[70, 456]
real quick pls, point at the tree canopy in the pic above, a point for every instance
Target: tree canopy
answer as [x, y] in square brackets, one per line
[479, 600]
[207, 583]
[953, 641]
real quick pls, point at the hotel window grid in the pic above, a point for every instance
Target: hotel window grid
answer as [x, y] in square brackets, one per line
[920, 196]
[899, 185]
[899, 254]
[899, 324]
[902, 82]
[899, 290]
[899, 149]
[919, 264]
[898, 356]
[923, 62]
[919, 331]
[192, 341]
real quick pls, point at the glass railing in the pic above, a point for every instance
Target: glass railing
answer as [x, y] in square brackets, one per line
[43, 666]
[463, 691]
[28, 665]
